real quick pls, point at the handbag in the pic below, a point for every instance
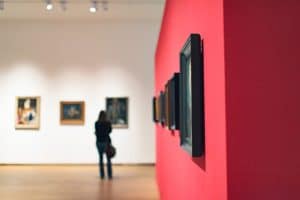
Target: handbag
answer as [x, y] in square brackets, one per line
[111, 151]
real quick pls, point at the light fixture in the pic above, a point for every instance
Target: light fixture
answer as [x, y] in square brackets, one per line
[1, 5]
[105, 5]
[49, 5]
[63, 5]
[94, 6]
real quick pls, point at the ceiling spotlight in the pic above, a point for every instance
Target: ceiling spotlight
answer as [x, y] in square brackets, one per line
[105, 5]
[49, 5]
[1, 5]
[93, 7]
[63, 5]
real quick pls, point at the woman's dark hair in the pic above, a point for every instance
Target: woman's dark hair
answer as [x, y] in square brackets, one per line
[102, 116]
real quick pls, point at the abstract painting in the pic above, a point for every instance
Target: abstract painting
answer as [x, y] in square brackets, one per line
[27, 113]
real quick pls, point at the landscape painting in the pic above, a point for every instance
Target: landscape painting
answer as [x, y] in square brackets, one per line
[117, 111]
[72, 112]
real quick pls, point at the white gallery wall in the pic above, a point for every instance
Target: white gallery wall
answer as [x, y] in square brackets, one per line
[70, 61]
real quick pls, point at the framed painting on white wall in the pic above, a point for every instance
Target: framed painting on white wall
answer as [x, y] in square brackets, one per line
[27, 113]
[117, 111]
[72, 112]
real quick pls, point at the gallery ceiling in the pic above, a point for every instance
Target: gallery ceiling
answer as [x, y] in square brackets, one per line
[79, 10]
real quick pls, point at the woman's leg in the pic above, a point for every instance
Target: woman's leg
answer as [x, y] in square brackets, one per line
[109, 167]
[102, 174]
[101, 167]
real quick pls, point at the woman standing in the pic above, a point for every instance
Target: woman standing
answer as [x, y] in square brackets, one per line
[102, 131]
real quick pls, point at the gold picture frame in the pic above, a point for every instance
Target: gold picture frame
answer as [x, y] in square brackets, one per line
[27, 112]
[72, 112]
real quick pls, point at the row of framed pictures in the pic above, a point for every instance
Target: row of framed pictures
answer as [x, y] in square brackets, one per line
[181, 105]
[71, 112]
[166, 105]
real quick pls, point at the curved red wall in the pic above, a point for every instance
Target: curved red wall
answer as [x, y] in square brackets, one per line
[252, 127]
[179, 177]
[262, 48]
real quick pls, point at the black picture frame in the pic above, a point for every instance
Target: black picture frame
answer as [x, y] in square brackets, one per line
[167, 105]
[192, 96]
[157, 106]
[173, 87]
[162, 113]
[154, 110]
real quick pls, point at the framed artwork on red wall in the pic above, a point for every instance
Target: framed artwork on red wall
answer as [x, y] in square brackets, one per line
[162, 108]
[192, 96]
[155, 111]
[173, 88]
[167, 105]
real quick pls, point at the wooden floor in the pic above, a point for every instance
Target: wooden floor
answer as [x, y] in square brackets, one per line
[76, 183]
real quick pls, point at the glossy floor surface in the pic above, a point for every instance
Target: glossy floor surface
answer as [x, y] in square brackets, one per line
[76, 183]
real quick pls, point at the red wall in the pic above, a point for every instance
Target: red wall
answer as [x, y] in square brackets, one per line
[179, 177]
[252, 149]
[262, 48]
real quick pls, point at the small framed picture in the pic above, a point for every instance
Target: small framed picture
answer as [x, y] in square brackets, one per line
[174, 102]
[154, 110]
[157, 109]
[27, 113]
[72, 112]
[192, 96]
[167, 110]
[117, 111]
[162, 108]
